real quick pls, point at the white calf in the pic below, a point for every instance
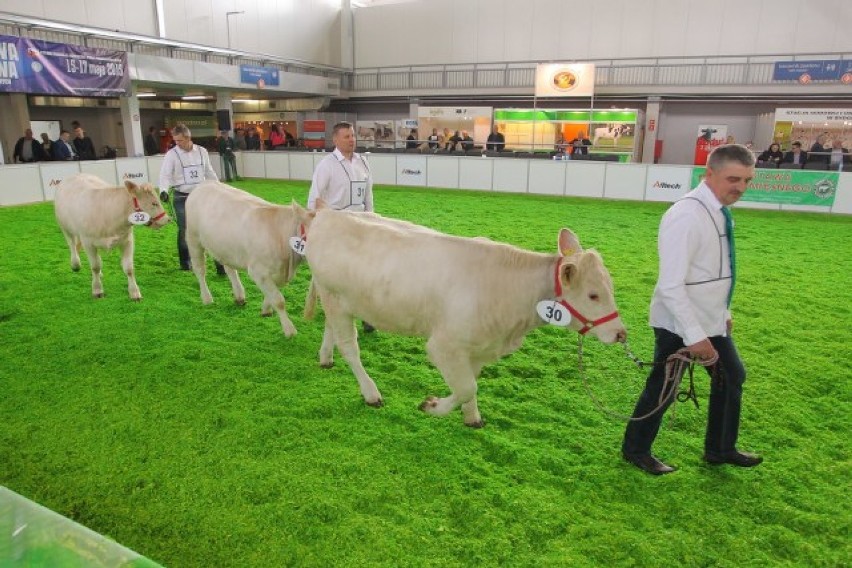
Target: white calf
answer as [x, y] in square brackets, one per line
[242, 231]
[475, 300]
[95, 215]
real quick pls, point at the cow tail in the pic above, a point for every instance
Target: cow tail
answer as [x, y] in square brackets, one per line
[311, 301]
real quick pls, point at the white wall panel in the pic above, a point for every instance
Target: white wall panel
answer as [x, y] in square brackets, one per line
[547, 177]
[475, 173]
[606, 26]
[625, 181]
[667, 183]
[383, 168]
[777, 29]
[510, 174]
[815, 26]
[277, 164]
[636, 40]
[52, 174]
[301, 165]
[519, 30]
[254, 165]
[443, 171]
[738, 32]
[216, 164]
[669, 31]
[463, 23]
[133, 169]
[757, 205]
[584, 179]
[545, 29]
[490, 43]
[104, 169]
[843, 199]
[20, 184]
[703, 28]
[155, 164]
[411, 170]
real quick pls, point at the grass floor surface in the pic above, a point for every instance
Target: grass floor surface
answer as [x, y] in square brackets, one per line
[198, 436]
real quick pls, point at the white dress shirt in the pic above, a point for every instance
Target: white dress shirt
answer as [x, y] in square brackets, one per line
[342, 183]
[185, 170]
[691, 295]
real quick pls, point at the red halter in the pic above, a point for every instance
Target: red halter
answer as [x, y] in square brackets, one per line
[138, 209]
[587, 323]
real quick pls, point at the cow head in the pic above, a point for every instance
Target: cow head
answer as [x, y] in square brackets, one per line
[587, 287]
[145, 198]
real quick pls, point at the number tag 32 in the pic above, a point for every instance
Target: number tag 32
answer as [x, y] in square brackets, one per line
[139, 218]
[553, 313]
[298, 245]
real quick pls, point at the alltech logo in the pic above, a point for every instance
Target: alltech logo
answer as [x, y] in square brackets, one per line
[665, 185]
[129, 175]
[54, 182]
[410, 172]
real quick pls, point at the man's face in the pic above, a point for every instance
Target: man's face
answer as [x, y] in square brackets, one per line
[729, 182]
[344, 140]
[78, 132]
[797, 149]
[66, 136]
[183, 142]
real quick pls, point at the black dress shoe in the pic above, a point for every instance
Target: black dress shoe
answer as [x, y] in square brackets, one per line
[368, 328]
[737, 458]
[649, 463]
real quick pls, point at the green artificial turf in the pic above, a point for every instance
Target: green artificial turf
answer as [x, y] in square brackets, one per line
[198, 436]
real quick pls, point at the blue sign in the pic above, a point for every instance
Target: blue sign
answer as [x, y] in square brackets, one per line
[260, 76]
[43, 67]
[821, 70]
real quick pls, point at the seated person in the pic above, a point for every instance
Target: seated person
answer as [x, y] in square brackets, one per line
[454, 139]
[411, 141]
[561, 146]
[773, 154]
[496, 141]
[838, 156]
[796, 155]
[580, 144]
[466, 141]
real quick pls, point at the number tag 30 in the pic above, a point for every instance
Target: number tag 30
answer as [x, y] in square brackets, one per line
[139, 218]
[553, 313]
[298, 245]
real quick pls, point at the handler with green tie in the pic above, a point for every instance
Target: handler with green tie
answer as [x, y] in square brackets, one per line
[691, 307]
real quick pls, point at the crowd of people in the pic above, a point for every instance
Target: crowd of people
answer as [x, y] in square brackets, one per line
[832, 156]
[28, 149]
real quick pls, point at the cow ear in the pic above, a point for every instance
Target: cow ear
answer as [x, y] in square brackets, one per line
[131, 187]
[567, 273]
[568, 243]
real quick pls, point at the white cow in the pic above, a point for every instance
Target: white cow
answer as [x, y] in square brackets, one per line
[96, 215]
[613, 132]
[474, 299]
[243, 231]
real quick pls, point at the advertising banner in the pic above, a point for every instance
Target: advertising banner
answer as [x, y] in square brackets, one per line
[131, 169]
[709, 136]
[313, 132]
[810, 125]
[199, 125]
[260, 76]
[667, 183]
[565, 80]
[790, 187]
[43, 67]
[807, 71]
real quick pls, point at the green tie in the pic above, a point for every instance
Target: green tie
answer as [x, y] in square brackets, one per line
[729, 232]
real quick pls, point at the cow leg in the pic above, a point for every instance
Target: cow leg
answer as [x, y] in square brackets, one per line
[236, 285]
[326, 353]
[127, 265]
[460, 375]
[96, 264]
[198, 261]
[272, 297]
[345, 336]
[73, 246]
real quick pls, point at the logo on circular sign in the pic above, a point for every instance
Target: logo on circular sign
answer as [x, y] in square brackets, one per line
[564, 80]
[846, 79]
[804, 78]
[823, 188]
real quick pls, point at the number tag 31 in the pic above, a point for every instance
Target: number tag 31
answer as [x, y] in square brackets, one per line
[553, 313]
[298, 245]
[139, 218]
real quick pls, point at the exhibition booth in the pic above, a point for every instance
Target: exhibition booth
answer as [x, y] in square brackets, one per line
[793, 190]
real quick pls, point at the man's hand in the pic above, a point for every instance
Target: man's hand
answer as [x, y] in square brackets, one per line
[703, 350]
[164, 196]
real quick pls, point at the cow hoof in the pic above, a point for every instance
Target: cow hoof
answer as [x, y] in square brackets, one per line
[377, 404]
[75, 269]
[100, 295]
[266, 314]
[429, 404]
[328, 365]
[478, 424]
[240, 301]
[139, 299]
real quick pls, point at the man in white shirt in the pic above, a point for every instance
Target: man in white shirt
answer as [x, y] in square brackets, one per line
[342, 179]
[690, 307]
[185, 166]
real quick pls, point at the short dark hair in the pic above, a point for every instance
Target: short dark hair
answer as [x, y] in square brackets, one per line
[797, 144]
[341, 126]
[730, 153]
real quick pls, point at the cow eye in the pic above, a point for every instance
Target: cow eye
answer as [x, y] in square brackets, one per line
[594, 297]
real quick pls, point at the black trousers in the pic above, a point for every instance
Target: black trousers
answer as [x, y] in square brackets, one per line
[179, 201]
[723, 413]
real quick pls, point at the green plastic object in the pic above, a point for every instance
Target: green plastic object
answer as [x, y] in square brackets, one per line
[33, 536]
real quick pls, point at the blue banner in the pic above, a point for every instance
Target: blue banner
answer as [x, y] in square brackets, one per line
[43, 67]
[259, 76]
[820, 70]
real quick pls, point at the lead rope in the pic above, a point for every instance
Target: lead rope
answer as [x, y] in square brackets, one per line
[676, 364]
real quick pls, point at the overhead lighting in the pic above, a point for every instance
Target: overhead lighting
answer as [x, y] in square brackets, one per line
[245, 101]
[195, 98]
[143, 95]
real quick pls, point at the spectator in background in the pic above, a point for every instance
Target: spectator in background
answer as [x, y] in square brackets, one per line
[496, 141]
[152, 147]
[240, 139]
[28, 149]
[411, 141]
[838, 156]
[276, 138]
[252, 140]
[453, 141]
[63, 149]
[47, 146]
[818, 147]
[561, 146]
[229, 159]
[580, 145]
[290, 139]
[84, 145]
[434, 139]
[796, 156]
[446, 140]
[773, 154]
[731, 139]
[466, 141]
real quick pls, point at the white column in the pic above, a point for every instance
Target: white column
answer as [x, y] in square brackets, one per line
[131, 123]
[652, 126]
